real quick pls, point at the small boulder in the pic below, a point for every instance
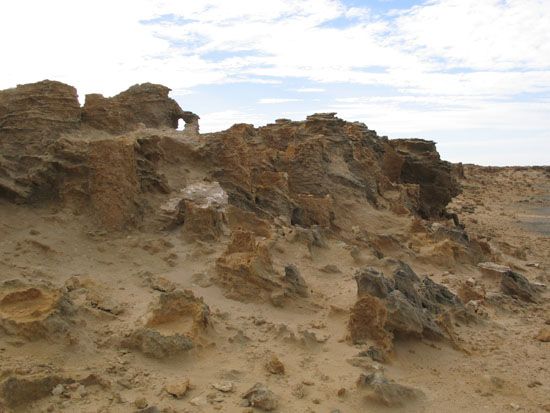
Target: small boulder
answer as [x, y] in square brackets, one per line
[178, 389]
[387, 392]
[515, 284]
[275, 366]
[260, 397]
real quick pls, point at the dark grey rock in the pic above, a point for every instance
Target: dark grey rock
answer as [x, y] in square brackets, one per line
[515, 284]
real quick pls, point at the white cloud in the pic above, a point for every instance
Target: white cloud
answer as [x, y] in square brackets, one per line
[270, 101]
[310, 90]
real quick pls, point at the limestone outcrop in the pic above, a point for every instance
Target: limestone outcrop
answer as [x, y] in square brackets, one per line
[46, 138]
[144, 105]
[402, 305]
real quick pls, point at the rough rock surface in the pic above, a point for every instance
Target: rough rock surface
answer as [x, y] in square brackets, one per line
[260, 397]
[33, 311]
[422, 165]
[129, 227]
[173, 324]
[403, 305]
[144, 105]
[515, 284]
[35, 156]
[386, 391]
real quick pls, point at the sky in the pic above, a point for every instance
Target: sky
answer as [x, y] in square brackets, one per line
[472, 75]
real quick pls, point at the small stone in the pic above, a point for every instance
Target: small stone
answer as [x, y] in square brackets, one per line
[141, 403]
[223, 386]
[58, 390]
[543, 335]
[330, 269]
[178, 389]
[275, 366]
[199, 401]
[387, 392]
[341, 392]
[534, 383]
[260, 397]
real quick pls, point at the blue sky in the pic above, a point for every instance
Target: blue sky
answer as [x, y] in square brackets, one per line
[473, 75]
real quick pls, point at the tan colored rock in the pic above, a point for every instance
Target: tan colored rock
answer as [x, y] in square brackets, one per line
[33, 312]
[113, 183]
[178, 389]
[543, 335]
[471, 291]
[175, 323]
[146, 104]
[275, 366]
[245, 270]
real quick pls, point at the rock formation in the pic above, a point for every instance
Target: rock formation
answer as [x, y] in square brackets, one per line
[145, 267]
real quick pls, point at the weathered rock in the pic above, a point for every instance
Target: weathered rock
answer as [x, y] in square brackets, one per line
[180, 308]
[113, 182]
[260, 397]
[224, 386]
[387, 392]
[403, 305]
[146, 105]
[295, 169]
[33, 312]
[31, 117]
[515, 284]
[295, 281]
[200, 209]
[245, 270]
[423, 166]
[18, 391]
[471, 291]
[491, 269]
[178, 389]
[275, 366]
[156, 345]
[370, 281]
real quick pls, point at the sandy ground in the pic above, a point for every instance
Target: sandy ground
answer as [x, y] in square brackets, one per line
[497, 365]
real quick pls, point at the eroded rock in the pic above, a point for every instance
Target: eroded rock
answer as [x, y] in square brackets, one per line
[33, 311]
[145, 105]
[403, 305]
[173, 324]
[260, 397]
[387, 392]
[515, 284]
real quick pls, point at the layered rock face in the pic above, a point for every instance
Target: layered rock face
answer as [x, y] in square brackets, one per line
[142, 105]
[286, 169]
[36, 119]
[295, 169]
[423, 166]
[31, 117]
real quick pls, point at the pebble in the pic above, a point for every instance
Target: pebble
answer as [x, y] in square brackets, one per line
[224, 386]
[141, 403]
[57, 390]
